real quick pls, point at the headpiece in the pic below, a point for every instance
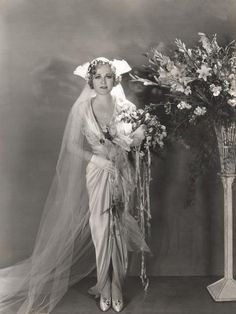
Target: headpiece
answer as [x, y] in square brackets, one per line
[120, 66]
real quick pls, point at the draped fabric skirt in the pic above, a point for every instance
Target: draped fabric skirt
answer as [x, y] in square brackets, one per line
[107, 230]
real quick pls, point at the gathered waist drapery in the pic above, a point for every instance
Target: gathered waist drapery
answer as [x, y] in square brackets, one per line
[106, 226]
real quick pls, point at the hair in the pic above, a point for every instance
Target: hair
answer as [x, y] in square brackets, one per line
[92, 69]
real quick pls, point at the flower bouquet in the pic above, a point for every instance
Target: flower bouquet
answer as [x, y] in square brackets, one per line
[131, 123]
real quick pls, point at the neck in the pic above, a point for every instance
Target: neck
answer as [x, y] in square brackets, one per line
[104, 99]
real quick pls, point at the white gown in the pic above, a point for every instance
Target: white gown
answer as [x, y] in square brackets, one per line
[79, 218]
[107, 224]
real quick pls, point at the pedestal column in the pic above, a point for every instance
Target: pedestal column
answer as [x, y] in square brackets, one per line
[225, 288]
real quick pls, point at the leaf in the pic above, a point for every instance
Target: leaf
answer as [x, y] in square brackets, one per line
[181, 46]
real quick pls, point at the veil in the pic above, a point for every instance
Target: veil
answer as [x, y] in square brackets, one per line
[63, 253]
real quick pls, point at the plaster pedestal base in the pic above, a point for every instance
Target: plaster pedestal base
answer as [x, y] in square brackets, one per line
[223, 290]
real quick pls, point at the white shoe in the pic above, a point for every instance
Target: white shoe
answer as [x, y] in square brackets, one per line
[105, 303]
[117, 305]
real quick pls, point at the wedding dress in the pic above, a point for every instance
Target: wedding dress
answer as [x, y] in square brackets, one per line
[81, 227]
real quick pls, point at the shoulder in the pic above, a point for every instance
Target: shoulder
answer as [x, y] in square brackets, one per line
[80, 108]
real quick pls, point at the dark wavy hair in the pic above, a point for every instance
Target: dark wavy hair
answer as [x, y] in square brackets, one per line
[92, 69]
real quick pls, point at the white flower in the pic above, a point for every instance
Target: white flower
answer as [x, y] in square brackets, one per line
[140, 111]
[215, 69]
[134, 114]
[170, 65]
[163, 74]
[124, 128]
[232, 77]
[215, 90]
[190, 52]
[177, 87]
[226, 85]
[219, 64]
[176, 71]
[147, 116]
[199, 111]
[187, 90]
[204, 72]
[232, 92]
[205, 42]
[184, 105]
[232, 102]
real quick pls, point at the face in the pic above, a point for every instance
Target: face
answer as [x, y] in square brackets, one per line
[103, 79]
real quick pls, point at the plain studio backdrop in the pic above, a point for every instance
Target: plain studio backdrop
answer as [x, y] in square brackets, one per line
[41, 44]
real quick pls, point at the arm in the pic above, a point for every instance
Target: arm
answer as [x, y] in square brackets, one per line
[87, 154]
[84, 152]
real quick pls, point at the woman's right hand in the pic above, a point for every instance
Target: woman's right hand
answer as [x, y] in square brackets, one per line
[103, 163]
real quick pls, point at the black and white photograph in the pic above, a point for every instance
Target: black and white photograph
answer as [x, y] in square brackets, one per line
[117, 156]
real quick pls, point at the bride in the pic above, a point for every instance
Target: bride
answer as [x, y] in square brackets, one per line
[86, 223]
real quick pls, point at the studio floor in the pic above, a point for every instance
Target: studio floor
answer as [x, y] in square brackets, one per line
[166, 295]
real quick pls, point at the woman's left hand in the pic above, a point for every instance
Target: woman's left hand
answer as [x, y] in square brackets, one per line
[138, 135]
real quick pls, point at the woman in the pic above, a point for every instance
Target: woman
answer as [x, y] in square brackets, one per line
[86, 221]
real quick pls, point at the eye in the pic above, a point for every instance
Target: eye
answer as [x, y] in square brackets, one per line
[97, 76]
[109, 76]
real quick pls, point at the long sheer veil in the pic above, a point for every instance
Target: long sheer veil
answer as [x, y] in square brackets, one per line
[63, 252]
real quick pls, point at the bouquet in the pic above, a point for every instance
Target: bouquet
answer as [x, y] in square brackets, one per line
[129, 121]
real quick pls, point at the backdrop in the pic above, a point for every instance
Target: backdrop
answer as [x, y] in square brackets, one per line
[41, 44]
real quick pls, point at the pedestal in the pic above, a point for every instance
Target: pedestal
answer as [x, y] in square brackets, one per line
[225, 288]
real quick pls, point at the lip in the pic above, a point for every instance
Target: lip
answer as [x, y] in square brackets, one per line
[103, 87]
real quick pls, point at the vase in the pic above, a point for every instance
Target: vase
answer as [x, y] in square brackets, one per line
[225, 288]
[226, 138]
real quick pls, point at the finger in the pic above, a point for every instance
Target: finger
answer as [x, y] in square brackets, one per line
[111, 171]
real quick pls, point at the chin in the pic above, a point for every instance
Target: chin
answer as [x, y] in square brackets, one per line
[104, 92]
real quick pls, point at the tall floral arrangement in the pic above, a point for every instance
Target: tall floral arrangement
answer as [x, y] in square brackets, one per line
[201, 81]
[198, 86]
